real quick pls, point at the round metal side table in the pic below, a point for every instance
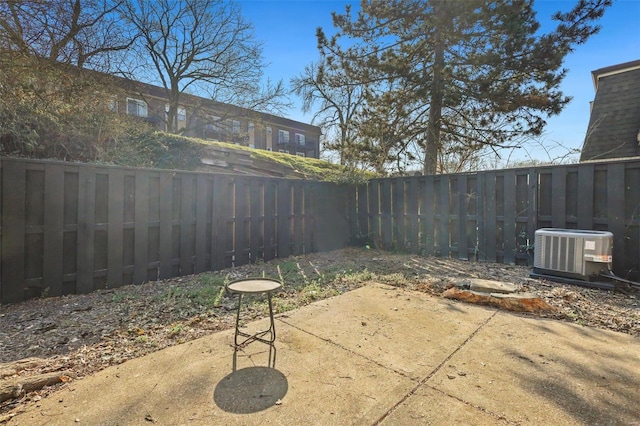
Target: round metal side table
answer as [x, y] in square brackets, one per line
[241, 339]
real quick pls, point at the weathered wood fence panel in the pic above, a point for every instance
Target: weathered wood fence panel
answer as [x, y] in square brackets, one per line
[493, 215]
[75, 228]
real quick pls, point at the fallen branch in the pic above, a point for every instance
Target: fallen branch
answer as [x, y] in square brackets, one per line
[12, 368]
[12, 389]
[514, 303]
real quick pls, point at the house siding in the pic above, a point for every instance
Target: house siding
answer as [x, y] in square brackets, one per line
[198, 109]
[614, 123]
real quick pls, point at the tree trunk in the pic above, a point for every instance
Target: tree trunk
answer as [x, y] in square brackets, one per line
[432, 147]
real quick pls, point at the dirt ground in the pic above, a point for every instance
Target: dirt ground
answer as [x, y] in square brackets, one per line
[78, 335]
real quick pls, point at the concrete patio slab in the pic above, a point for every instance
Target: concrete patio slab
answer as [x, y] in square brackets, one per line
[406, 331]
[535, 371]
[376, 355]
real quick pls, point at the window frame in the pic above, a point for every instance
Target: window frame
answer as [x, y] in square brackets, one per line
[283, 137]
[138, 103]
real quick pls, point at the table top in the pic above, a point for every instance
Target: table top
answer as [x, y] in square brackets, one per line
[254, 285]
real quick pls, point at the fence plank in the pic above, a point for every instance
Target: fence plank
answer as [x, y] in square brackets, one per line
[298, 219]
[480, 217]
[585, 194]
[284, 219]
[386, 236]
[558, 197]
[86, 229]
[115, 265]
[256, 217]
[13, 230]
[426, 214]
[444, 183]
[615, 217]
[242, 209]
[490, 218]
[166, 225]
[509, 225]
[399, 236]
[187, 222]
[270, 218]
[203, 201]
[52, 258]
[463, 244]
[374, 221]
[141, 230]
[532, 223]
[309, 217]
[363, 231]
[411, 217]
[631, 268]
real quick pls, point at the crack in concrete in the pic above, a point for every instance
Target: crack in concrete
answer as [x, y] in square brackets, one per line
[422, 382]
[401, 373]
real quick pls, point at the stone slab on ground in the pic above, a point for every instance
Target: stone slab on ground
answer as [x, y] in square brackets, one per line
[515, 302]
[487, 286]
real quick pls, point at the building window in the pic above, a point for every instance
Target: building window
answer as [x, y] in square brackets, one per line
[268, 130]
[182, 113]
[300, 154]
[233, 126]
[213, 123]
[299, 139]
[283, 136]
[136, 107]
[251, 127]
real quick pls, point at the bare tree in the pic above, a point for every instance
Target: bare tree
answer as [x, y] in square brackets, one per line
[203, 47]
[339, 104]
[84, 33]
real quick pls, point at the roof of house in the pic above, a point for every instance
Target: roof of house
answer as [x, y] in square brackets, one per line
[614, 124]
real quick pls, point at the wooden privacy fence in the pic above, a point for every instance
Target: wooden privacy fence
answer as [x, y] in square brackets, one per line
[493, 215]
[74, 228]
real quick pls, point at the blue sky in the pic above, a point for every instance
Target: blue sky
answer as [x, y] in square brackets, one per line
[287, 30]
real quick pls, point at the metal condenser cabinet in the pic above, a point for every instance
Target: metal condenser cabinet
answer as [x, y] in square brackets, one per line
[572, 253]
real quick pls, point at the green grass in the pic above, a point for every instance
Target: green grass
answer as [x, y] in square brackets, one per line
[163, 150]
[210, 292]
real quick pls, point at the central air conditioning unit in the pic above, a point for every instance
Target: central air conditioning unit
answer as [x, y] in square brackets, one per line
[572, 253]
